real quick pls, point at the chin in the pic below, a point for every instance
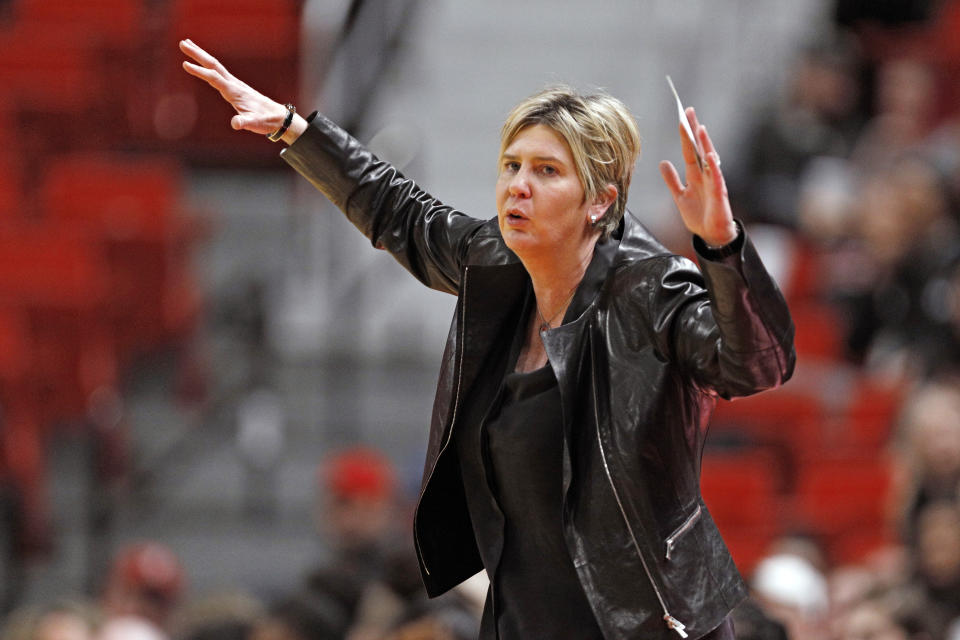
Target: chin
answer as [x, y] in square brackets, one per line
[520, 242]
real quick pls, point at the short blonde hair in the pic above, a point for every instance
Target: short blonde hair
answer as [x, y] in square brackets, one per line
[602, 135]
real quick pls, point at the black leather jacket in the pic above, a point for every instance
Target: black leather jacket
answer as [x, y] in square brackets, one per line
[652, 342]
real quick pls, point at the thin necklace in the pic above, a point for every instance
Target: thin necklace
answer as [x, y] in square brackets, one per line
[546, 325]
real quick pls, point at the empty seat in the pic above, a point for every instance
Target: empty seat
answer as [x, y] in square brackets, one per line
[819, 331]
[128, 206]
[841, 498]
[242, 29]
[256, 41]
[741, 488]
[781, 417]
[121, 196]
[116, 23]
[741, 491]
[11, 187]
[870, 415]
[49, 69]
[59, 283]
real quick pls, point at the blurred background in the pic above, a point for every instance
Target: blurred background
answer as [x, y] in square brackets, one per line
[214, 396]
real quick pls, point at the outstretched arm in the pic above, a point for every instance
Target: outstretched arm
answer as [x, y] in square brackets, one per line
[427, 237]
[255, 111]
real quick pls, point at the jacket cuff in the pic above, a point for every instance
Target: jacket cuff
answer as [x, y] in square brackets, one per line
[740, 286]
[328, 157]
[720, 254]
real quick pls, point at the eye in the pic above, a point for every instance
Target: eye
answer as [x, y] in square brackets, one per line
[511, 166]
[548, 170]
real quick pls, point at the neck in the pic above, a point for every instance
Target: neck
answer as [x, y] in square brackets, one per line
[555, 278]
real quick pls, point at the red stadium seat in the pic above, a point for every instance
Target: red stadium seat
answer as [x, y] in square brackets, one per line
[259, 42]
[845, 500]
[871, 414]
[242, 28]
[59, 283]
[116, 195]
[22, 453]
[819, 331]
[792, 421]
[55, 77]
[53, 70]
[129, 208]
[741, 491]
[11, 186]
[116, 23]
[741, 488]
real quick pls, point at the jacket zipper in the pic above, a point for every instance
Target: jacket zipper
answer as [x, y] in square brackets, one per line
[453, 419]
[686, 526]
[672, 623]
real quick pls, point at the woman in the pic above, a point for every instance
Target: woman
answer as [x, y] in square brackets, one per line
[581, 367]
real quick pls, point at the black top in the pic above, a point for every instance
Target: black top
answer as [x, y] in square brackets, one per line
[512, 469]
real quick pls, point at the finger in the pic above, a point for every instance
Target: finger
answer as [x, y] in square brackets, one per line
[705, 142]
[201, 56]
[671, 178]
[717, 182]
[689, 151]
[692, 118]
[257, 123]
[211, 76]
[249, 122]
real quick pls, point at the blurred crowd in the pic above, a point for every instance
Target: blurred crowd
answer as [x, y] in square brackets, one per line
[856, 169]
[853, 171]
[368, 588]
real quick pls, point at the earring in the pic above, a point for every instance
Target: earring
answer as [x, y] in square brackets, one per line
[593, 218]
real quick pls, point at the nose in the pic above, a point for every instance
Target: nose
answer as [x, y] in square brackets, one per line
[519, 186]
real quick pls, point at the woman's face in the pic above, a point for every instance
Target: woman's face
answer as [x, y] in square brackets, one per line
[540, 201]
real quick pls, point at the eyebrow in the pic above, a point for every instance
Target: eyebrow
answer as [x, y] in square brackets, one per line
[510, 156]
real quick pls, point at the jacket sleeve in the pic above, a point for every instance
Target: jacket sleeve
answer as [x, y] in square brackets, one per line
[727, 325]
[425, 236]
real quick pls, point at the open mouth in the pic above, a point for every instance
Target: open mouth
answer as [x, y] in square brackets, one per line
[514, 215]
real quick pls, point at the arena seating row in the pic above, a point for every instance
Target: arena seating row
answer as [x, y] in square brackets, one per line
[839, 501]
[107, 74]
[98, 119]
[808, 458]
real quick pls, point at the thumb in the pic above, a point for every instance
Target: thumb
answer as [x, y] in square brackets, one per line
[238, 122]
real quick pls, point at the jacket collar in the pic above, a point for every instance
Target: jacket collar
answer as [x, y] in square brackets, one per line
[631, 241]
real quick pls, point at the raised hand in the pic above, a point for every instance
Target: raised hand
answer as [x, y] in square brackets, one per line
[703, 202]
[255, 111]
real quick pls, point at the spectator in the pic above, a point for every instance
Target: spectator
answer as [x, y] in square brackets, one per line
[67, 621]
[358, 511]
[225, 616]
[302, 617]
[793, 592]
[816, 118]
[938, 559]
[870, 621]
[146, 582]
[130, 628]
[928, 455]
[905, 116]
[911, 239]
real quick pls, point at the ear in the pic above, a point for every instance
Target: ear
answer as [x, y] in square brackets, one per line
[599, 207]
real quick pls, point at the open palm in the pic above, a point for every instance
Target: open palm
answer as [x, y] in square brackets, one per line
[703, 202]
[255, 111]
